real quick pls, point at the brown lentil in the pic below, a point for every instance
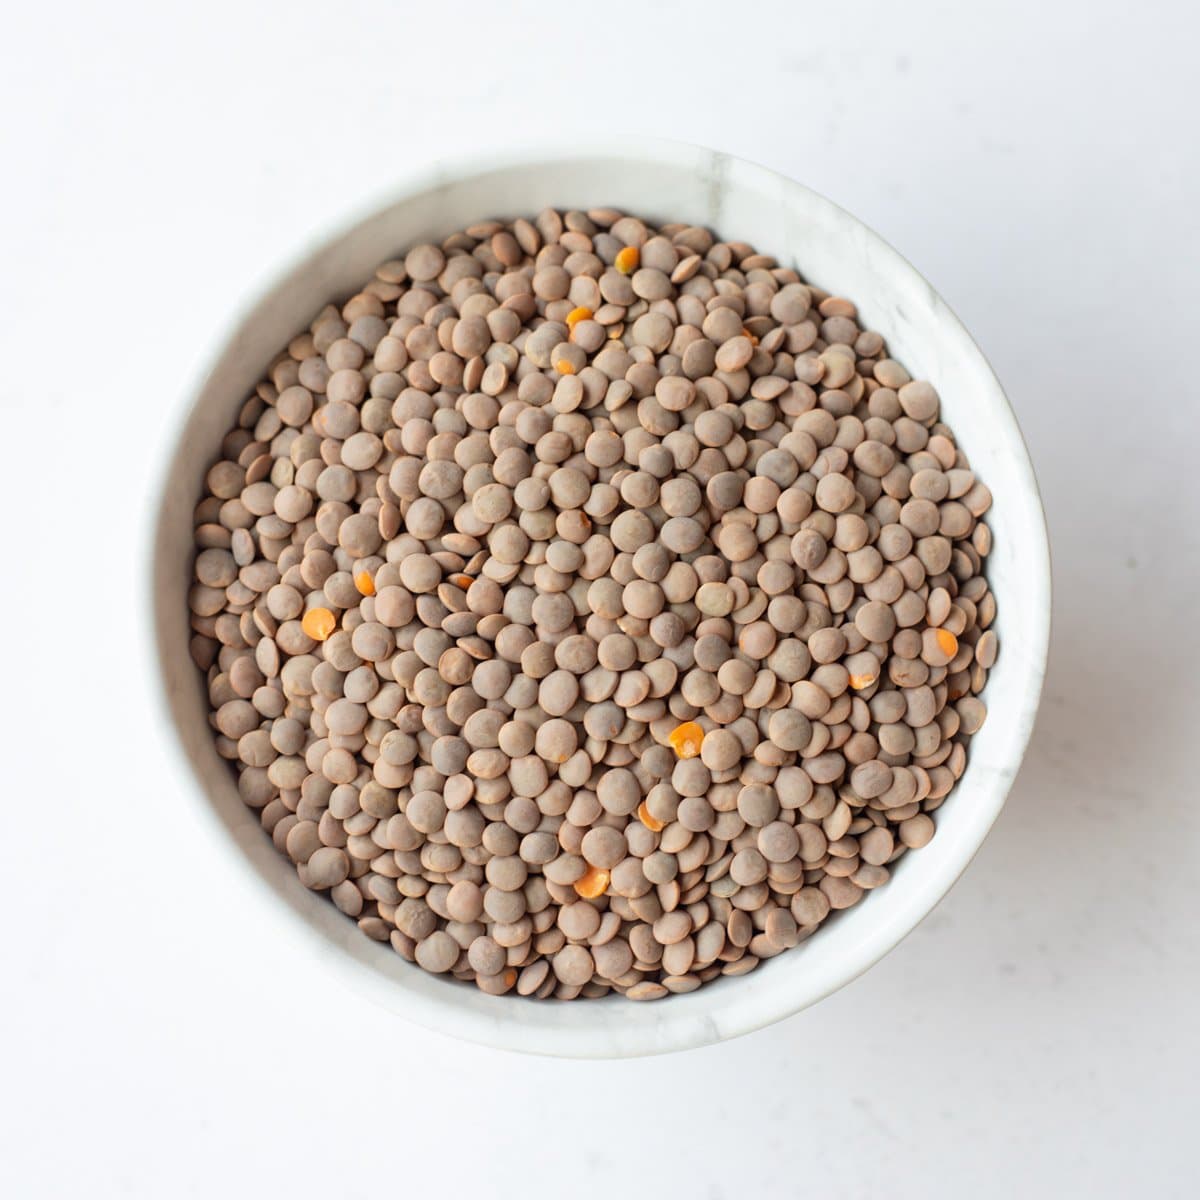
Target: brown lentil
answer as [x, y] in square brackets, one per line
[591, 607]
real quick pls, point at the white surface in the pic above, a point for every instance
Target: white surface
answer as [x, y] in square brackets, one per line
[830, 248]
[1036, 1036]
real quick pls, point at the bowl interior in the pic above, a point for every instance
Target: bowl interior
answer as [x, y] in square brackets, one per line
[829, 248]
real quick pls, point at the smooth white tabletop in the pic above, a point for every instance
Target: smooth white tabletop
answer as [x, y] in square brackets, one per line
[1036, 1036]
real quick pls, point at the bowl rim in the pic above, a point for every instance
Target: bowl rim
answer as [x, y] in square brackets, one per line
[664, 1035]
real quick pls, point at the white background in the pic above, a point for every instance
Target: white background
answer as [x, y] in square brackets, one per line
[1037, 1036]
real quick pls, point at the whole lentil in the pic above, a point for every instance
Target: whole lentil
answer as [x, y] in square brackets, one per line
[590, 607]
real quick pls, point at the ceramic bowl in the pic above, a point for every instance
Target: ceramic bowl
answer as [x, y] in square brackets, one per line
[828, 247]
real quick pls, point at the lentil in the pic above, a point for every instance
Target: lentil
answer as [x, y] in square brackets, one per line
[599, 608]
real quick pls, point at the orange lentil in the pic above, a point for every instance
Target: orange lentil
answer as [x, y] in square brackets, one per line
[947, 642]
[650, 821]
[593, 884]
[858, 682]
[582, 313]
[565, 366]
[686, 739]
[318, 623]
[461, 581]
[627, 259]
[364, 583]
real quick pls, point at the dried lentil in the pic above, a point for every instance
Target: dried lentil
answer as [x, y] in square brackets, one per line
[598, 609]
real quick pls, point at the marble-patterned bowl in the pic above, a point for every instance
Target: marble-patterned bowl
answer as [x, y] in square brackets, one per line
[832, 249]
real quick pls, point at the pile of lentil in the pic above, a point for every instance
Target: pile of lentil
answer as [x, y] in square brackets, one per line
[592, 607]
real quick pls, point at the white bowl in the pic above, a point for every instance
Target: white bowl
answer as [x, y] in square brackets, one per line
[831, 249]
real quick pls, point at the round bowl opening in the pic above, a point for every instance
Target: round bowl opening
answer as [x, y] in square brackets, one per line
[829, 248]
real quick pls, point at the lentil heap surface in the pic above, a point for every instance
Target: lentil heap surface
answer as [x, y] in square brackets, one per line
[588, 606]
